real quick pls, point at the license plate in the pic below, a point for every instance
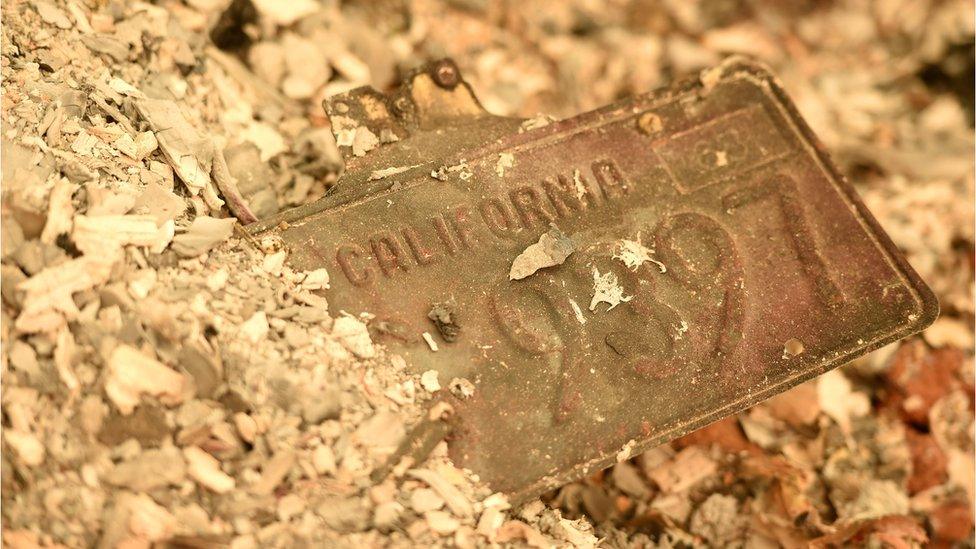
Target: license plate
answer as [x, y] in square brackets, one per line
[719, 259]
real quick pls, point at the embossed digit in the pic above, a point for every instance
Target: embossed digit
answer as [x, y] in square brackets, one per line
[783, 190]
[553, 331]
[724, 274]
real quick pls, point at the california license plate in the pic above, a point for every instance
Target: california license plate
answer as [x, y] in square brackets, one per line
[718, 258]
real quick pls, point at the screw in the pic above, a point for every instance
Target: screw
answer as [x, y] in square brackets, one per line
[446, 75]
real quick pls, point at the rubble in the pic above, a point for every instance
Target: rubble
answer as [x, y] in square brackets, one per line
[168, 380]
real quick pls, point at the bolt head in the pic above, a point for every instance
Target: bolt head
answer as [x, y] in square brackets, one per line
[446, 74]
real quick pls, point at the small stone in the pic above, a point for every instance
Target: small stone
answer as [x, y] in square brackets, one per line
[160, 203]
[430, 341]
[446, 321]
[11, 236]
[274, 472]
[53, 15]
[490, 521]
[139, 148]
[686, 469]
[10, 278]
[284, 14]
[150, 521]
[316, 280]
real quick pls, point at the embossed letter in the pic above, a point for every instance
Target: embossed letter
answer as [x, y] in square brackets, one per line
[528, 202]
[610, 179]
[389, 253]
[346, 254]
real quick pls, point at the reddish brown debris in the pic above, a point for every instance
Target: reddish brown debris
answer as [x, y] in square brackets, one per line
[928, 461]
[951, 523]
[725, 434]
[920, 376]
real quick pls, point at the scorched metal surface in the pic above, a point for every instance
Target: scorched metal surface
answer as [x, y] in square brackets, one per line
[743, 263]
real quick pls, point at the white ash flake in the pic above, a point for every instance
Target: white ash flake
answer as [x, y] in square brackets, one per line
[274, 263]
[536, 122]
[681, 330]
[839, 400]
[269, 142]
[107, 234]
[633, 254]
[48, 294]
[28, 448]
[187, 151]
[205, 469]
[138, 148]
[255, 328]
[441, 522]
[429, 381]
[578, 184]
[149, 521]
[505, 161]
[577, 311]
[284, 14]
[354, 336]
[626, 451]
[132, 374]
[203, 234]
[429, 339]
[376, 175]
[316, 280]
[363, 141]
[60, 211]
[461, 169]
[552, 249]
[461, 387]
[579, 533]
[455, 500]
[606, 289]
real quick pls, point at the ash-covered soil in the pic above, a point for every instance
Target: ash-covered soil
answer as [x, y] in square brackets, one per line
[168, 380]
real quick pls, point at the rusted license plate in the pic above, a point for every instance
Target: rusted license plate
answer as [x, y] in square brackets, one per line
[718, 259]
